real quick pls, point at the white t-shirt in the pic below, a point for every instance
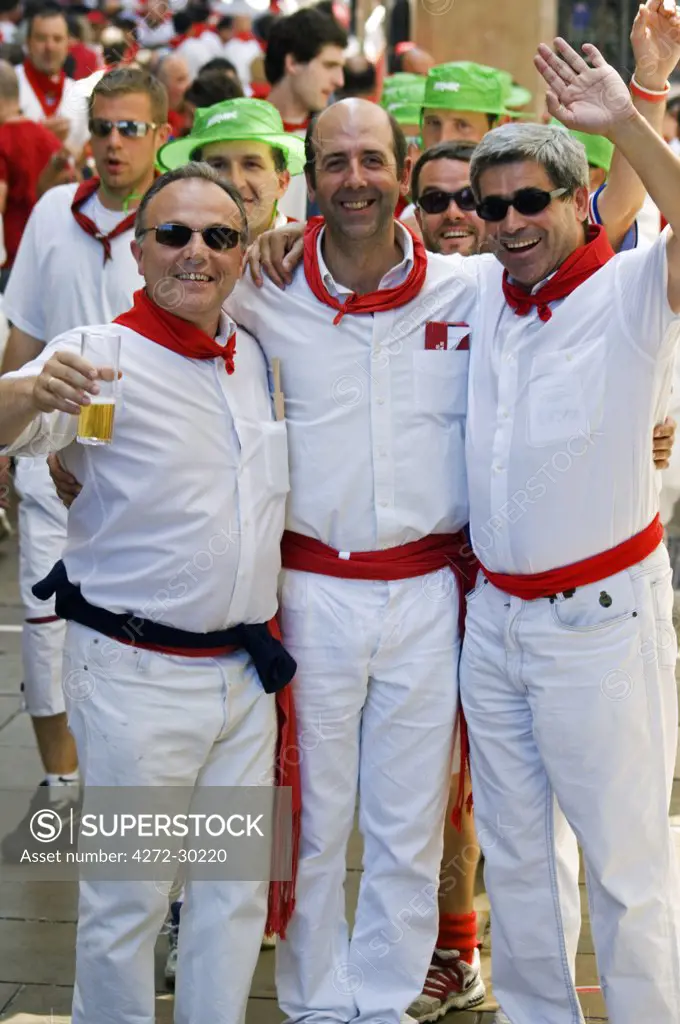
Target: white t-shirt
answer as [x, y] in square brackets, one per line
[197, 52]
[180, 518]
[59, 279]
[242, 53]
[73, 105]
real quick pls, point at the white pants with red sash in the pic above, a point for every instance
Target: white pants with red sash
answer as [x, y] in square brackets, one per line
[42, 535]
[571, 705]
[376, 695]
[141, 718]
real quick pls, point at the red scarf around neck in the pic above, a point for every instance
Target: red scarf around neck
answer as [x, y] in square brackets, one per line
[576, 269]
[48, 91]
[371, 302]
[170, 331]
[85, 191]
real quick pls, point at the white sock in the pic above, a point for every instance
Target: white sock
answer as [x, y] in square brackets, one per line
[68, 779]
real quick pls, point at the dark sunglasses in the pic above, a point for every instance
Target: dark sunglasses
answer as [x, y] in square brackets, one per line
[527, 201]
[176, 236]
[101, 128]
[437, 201]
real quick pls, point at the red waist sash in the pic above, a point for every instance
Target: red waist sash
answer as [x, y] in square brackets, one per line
[580, 574]
[417, 558]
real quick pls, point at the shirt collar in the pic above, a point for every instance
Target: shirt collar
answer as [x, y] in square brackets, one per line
[225, 329]
[394, 277]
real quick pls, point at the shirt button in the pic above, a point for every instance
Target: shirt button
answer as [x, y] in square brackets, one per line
[381, 401]
[382, 452]
[498, 468]
[384, 504]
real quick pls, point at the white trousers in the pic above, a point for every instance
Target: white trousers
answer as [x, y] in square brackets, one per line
[376, 697]
[146, 719]
[42, 535]
[574, 701]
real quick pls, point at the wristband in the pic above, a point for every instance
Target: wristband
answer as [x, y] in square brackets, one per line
[650, 95]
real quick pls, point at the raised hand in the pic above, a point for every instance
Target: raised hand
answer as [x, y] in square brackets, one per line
[655, 39]
[587, 97]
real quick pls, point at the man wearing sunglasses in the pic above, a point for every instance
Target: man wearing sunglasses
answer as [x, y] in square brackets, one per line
[74, 266]
[568, 665]
[173, 544]
[445, 205]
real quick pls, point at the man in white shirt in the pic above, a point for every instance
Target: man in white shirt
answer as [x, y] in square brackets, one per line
[74, 266]
[244, 141]
[568, 666]
[190, 701]
[375, 409]
[46, 93]
[303, 65]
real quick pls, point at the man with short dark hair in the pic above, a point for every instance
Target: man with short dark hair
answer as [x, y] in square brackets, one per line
[446, 209]
[244, 141]
[46, 93]
[191, 702]
[304, 66]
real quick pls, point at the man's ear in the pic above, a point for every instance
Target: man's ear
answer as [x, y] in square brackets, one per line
[582, 203]
[290, 65]
[405, 180]
[284, 182]
[136, 250]
[311, 191]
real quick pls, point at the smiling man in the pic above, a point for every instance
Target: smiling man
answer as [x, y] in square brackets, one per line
[446, 208]
[244, 141]
[191, 702]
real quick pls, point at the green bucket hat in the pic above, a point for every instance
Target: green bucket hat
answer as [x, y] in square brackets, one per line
[402, 96]
[599, 150]
[463, 85]
[235, 121]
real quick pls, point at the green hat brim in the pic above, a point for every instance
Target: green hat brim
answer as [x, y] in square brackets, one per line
[519, 97]
[177, 153]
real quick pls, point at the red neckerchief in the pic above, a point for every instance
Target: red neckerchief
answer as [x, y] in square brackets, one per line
[301, 126]
[576, 269]
[244, 37]
[195, 32]
[48, 91]
[170, 331]
[85, 190]
[402, 204]
[371, 302]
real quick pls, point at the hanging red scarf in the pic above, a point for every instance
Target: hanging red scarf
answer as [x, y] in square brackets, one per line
[170, 331]
[576, 269]
[371, 302]
[48, 91]
[84, 192]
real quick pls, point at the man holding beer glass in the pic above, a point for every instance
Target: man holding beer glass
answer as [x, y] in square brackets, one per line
[177, 529]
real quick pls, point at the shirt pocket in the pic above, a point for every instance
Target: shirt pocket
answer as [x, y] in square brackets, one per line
[565, 395]
[440, 382]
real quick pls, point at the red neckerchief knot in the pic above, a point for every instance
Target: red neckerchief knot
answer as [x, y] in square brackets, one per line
[85, 191]
[577, 268]
[170, 331]
[372, 302]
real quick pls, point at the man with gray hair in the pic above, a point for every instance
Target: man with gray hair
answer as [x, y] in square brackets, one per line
[568, 665]
[181, 666]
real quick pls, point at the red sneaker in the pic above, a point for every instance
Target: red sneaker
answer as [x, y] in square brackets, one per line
[451, 984]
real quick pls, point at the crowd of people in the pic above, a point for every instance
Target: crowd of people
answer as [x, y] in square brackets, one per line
[394, 417]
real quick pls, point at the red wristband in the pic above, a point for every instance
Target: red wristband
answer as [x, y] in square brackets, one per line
[649, 95]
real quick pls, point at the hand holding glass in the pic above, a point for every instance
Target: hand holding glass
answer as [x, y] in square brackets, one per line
[95, 423]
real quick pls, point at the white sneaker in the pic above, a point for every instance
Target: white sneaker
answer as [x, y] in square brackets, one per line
[451, 984]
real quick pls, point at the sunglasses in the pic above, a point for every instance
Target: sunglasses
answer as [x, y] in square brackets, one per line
[101, 128]
[527, 201]
[176, 236]
[437, 201]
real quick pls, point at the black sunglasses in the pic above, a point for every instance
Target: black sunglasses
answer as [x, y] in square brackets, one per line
[176, 236]
[527, 201]
[101, 128]
[437, 201]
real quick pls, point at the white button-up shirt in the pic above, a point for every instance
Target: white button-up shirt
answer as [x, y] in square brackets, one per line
[180, 518]
[375, 421]
[561, 415]
[59, 278]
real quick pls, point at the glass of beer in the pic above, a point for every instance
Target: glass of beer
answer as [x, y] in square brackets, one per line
[95, 423]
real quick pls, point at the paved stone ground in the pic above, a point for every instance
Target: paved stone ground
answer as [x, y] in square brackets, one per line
[37, 920]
